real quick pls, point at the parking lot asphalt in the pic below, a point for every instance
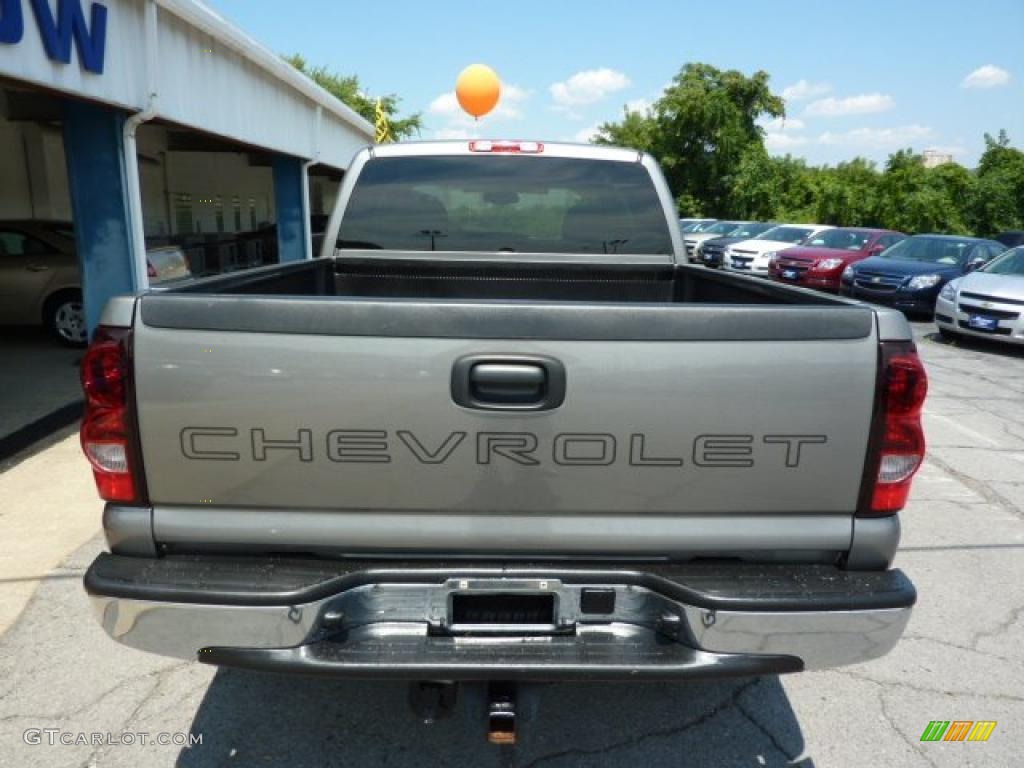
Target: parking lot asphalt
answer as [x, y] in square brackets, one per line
[961, 659]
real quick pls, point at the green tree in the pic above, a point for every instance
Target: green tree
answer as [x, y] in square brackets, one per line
[346, 88]
[848, 194]
[637, 130]
[704, 132]
[997, 202]
[766, 187]
[955, 185]
[919, 199]
[700, 130]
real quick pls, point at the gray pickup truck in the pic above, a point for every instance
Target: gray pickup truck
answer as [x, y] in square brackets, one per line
[502, 430]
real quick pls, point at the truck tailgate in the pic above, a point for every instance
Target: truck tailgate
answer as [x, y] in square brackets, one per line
[363, 424]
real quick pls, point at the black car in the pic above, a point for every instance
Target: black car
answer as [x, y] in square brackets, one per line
[1011, 238]
[910, 274]
[711, 251]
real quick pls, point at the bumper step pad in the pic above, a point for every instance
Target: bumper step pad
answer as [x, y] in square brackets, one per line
[621, 652]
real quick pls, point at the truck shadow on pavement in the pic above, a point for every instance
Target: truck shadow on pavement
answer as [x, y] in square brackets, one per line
[262, 719]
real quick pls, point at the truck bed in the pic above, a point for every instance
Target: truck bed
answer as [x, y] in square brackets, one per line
[488, 278]
[489, 299]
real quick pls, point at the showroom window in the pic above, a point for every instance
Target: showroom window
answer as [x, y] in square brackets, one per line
[195, 189]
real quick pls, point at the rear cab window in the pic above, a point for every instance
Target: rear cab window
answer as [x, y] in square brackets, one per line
[543, 205]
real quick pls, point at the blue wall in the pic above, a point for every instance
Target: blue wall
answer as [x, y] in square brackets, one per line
[291, 237]
[94, 148]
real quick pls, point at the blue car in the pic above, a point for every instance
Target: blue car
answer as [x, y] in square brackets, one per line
[909, 275]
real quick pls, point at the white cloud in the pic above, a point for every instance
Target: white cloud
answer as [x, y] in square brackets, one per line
[509, 105]
[877, 138]
[456, 133]
[862, 104]
[780, 124]
[988, 76]
[804, 89]
[445, 104]
[459, 125]
[587, 87]
[780, 134]
[643, 106]
[948, 149]
[584, 135]
[780, 142]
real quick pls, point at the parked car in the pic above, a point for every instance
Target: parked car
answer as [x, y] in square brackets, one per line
[719, 229]
[752, 256]
[988, 302]
[820, 261]
[465, 478]
[166, 263]
[910, 274]
[695, 225]
[1011, 238]
[711, 252]
[40, 280]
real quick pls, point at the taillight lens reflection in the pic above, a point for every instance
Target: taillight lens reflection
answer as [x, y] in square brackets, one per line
[904, 387]
[105, 429]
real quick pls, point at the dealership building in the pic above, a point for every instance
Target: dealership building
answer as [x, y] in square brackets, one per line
[147, 124]
[141, 140]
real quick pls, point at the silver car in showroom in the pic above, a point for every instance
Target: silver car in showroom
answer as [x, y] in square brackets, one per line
[987, 303]
[40, 280]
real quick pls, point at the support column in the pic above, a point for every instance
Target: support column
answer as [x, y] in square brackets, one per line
[94, 146]
[289, 202]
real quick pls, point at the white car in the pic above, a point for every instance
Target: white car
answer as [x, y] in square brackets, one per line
[692, 240]
[695, 225]
[987, 302]
[752, 256]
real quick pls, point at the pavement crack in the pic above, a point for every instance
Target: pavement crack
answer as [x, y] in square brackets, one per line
[883, 707]
[767, 733]
[1000, 628]
[887, 716]
[87, 706]
[980, 488]
[927, 689]
[731, 702]
[956, 646]
[986, 448]
[98, 752]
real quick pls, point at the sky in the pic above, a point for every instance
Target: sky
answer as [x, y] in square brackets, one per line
[860, 78]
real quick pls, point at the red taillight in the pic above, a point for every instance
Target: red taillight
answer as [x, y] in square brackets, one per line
[103, 371]
[899, 438]
[521, 147]
[106, 430]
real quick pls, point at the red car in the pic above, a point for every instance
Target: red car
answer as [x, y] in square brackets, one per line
[819, 261]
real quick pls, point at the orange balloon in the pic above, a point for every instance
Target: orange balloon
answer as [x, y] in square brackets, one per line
[478, 89]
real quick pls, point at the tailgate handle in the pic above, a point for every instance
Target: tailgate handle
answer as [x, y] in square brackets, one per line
[508, 382]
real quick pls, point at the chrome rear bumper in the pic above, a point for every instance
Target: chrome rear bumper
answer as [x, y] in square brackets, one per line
[397, 622]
